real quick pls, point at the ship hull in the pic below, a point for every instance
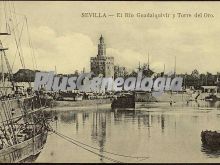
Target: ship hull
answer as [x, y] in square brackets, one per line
[22, 151]
[29, 104]
[24, 110]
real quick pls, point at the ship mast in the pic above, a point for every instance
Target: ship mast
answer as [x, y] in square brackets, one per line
[164, 68]
[2, 49]
[148, 61]
[14, 125]
[175, 67]
[12, 27]
[4, 57]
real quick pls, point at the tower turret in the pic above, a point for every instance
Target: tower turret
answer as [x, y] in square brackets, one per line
[101, 47]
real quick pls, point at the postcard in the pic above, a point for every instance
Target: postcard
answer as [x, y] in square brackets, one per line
[109, 82]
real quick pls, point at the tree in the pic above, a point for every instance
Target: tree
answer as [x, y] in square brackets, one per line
[195, 73]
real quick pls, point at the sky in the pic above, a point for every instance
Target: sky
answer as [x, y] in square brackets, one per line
[62, 38]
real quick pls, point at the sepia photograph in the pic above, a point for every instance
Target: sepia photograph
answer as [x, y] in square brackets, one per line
[109, 82]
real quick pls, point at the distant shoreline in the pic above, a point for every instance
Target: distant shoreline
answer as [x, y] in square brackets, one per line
[83, 104]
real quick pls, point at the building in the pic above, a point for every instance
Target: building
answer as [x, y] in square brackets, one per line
[120, 71]
[102, 64]
[209, 89]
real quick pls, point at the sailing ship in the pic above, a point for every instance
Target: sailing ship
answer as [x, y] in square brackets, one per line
[23, 126]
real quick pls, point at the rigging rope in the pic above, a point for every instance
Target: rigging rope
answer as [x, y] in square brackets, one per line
[122, 155]
[128, 156]
[28, 33]
[6, 16]
[30, 44]
[18, 45]
[19, 40]
[12, 21]
[108, 158]
[5, 38]
[29, 37]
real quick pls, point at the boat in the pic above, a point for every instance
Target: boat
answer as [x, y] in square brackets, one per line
[23, 127]
[212, 97]
[213, 93]
[124, 101]
[211, 139]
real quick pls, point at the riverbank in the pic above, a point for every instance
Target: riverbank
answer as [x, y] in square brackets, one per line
[178, 100]
[82, 104]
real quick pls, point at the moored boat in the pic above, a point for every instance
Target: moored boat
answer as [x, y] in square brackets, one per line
[211, 138]
[125, 101]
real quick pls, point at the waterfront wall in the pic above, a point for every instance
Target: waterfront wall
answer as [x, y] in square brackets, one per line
[164, 97]
[177, 97]
[82, 103]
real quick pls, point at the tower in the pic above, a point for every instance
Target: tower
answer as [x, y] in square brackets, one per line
[101, 47]
[102, 64]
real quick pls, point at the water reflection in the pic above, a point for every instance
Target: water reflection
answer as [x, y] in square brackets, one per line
[204, 104]
[69, 117]
[172, 135]
[210, 152]
[100, 120]
[98, 133]
[162, 122]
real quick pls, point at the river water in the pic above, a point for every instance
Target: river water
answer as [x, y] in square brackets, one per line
[159, 132]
